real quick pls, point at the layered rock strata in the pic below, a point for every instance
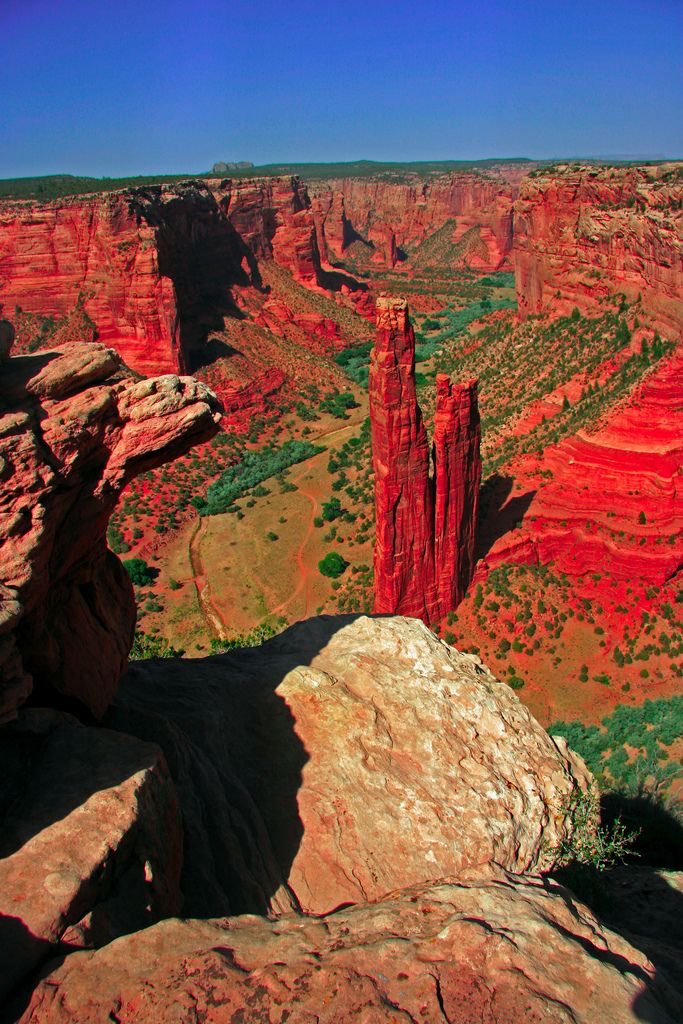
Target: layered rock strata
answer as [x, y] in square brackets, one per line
[273, 216]
[152, 268]
[583, 234]
[633, 464]
[498, 950]
[390, 220]
[75, 427]
[424, 522]
[404, 494]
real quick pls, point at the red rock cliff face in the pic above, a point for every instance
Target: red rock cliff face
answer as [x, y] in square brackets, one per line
[274, 218]
[614, 503]
[75, 427]
[424, 525]
[394, 217]
[582, 235]
[153, 268]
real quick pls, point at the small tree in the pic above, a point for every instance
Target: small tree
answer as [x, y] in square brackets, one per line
[141, 574]
[332, 565]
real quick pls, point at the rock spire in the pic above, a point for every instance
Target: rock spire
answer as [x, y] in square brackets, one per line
[425, 505]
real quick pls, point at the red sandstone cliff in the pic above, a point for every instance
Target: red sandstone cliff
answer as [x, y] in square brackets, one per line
[391, 217]
[424, 525]
[581, 235]
[152, 268]
[75, 427]
[457, 471]
[273, 216]
[614, 502]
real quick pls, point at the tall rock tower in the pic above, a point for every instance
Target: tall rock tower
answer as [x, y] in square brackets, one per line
[404, 499]
[425, 521]
[457, 477]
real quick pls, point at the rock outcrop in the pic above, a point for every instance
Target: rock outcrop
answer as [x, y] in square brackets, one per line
[153, 268]
[424, 524]
[498, 950]
[457, 478]
[75, 427]
[344, 759]
[91, 841]
[388, 219]
[583, 235]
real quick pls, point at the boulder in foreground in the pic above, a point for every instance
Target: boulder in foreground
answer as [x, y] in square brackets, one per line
[346, 758]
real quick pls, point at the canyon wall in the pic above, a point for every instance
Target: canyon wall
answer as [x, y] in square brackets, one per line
[154, 271]
[612, 499]
[582, 235]
[424, 524]
[390, 220]
[152, 268]
[273, 217]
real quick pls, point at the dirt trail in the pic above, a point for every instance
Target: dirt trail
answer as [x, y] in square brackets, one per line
[304, 570]
[212, 617]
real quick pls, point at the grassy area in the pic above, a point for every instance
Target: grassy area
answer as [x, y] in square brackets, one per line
[630, 749]
[251, 470]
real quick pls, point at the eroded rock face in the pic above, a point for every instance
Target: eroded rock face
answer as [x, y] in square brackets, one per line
[457, 478]
[581, 235]
[501, 950]
[424, 523]
[404, 495]
[75, 427]
[153, 268]
[632, 462]
[91, 839]
[344, 759]
[387, 218]
[274, 218]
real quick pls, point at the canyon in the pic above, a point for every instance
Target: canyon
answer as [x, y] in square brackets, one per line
[355, 818]
[266, 782]
[383, 222]
[425, 523]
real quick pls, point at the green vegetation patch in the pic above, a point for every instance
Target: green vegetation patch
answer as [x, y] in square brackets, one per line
[253, 468]
[332, 565]
[628, 751]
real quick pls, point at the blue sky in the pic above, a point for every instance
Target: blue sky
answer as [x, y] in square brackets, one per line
[148, 87]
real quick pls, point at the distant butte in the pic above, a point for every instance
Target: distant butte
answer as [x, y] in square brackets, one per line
[425, 523]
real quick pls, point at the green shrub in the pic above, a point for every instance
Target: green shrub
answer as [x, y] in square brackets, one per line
[141, 574]
[332, 565]
[146, 646]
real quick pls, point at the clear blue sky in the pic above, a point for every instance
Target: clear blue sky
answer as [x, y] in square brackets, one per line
[115, 87]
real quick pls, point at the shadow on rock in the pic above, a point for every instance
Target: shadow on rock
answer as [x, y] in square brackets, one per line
[232, 749]
[643, 900]
[497, 514]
